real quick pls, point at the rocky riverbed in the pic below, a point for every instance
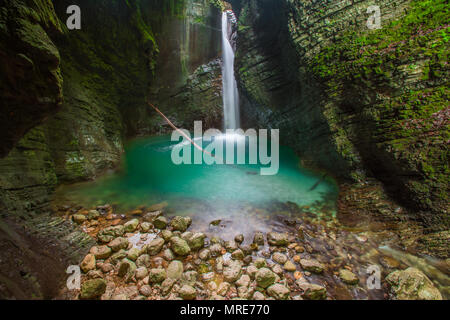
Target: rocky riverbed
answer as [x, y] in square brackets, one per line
[156, 257]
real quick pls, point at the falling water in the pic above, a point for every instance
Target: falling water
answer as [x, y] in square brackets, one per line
[230, 92]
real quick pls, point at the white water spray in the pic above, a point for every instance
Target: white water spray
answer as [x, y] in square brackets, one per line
[229, 85]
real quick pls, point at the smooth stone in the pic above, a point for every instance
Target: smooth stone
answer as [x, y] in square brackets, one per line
[311, 291]
[265, 277]
[127, 269]
[131, 225]
[146, 290]
[232, 271]
[79, 218]
[167, 285]
[258, 239]
[312, 265]
[412, 284]
[279, 258]
[88, 263]
[260, 263]
[180, 223]
[118, 244]
[157, 275]
[108, 234]
[258, 296]
[143, 261]
[133, 254]
[180, 246]
[155, 246]
[348, 277]
[146, 226]
[278, 291]
[175, 270]
[187, 292]
[141, 273]
[160, 222]
[101, 252]
[93, 214]
[277, 239]
[289, 266]
[239, 238]
[166, 234]
[93, 289]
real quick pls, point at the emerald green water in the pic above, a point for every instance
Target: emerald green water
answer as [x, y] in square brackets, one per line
[206, 192]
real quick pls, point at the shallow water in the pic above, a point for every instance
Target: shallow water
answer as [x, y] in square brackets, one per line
[205, 192]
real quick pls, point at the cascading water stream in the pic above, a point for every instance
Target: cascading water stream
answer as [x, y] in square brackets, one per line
[230, 91]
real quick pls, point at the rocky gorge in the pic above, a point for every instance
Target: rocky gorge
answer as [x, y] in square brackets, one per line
[365, 108]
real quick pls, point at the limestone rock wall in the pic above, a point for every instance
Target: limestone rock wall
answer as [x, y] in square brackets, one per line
[354, 101]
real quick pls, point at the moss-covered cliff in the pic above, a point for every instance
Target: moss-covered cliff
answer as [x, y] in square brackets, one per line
[70, 98]
[356, 102]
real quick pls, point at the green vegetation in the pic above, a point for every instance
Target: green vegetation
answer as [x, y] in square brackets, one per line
[408, 121]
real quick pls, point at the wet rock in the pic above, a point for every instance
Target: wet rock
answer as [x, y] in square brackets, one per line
[216, 250]
[108, 234]
[289, 266]
[141, 273]
[131, 225]
[237, 254]
[260, 263]
[312, 265]
[277, 239]
[166, 234]
[146, 290]
[223, 288]
[175, 270]
[79, 218]
[190, 277]
[311, 291]
[143, 261]
[251, 271]
[127, 268]
[168, 255]
[244, 281]
[157, 275]
[88, 263]
[107, 267]
[348, 277]
[146, 226]
[278, 291]
[180, 223]
[239, 238]
[230, 246]
[180, 246]
[232, 271]
[277, 269]
[151, 216]
[155, 246]
[94, 274]
[412, 284]
[279, 258]
[389, 262]
[258, 238]
[118, 256]
[258, 296]
[133, 254]
[118, 244]
[187, 292]
[93, 214]
[204, 254]
[93, 289]
[160, 222]
[264, 277]
[197, 241]
[167, 285]
[101, 252]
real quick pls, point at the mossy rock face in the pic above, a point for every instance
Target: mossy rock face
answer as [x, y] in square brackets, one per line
[356, 102]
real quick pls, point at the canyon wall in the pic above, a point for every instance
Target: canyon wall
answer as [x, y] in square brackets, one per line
[357, 102]
[70, 98]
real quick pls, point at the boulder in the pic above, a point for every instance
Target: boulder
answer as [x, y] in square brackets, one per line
[160, 222]
[348, 277]
[157, 275]
[155, 246]
[187, 292]
[312, 265]
[412, 284]
[265, 278]
[93, 289]
[108, 234]
[131, 225]
[118, 244]
[175, 270]
[277, 239]
[180, 223]
[311, 291]
[278, 292]
[88, 263]
[180, 246]
[101, 252]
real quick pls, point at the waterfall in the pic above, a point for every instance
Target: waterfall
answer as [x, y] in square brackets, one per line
[229, 85]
